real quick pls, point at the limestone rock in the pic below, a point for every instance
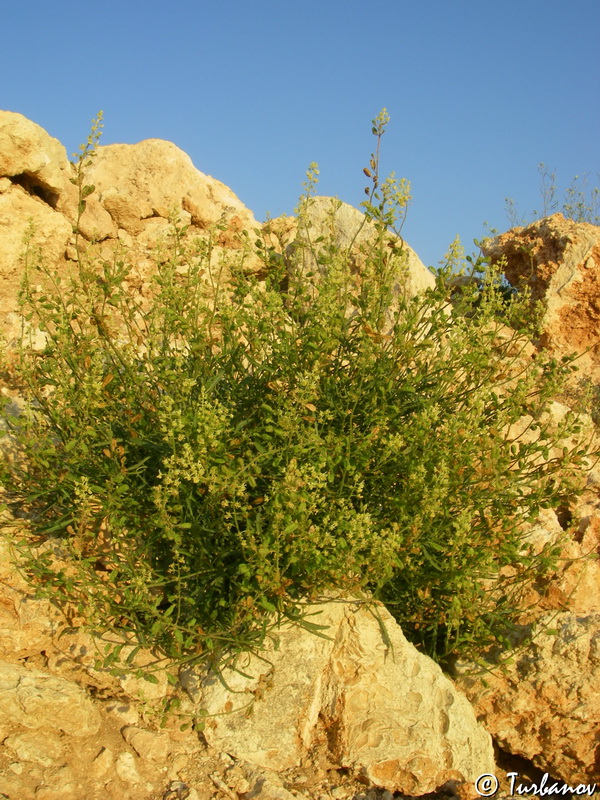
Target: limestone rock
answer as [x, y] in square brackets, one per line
[576, 587]
[136, 183]
[545, 705]
[102, 763]
[126, 768]
[137, 189]
[32, 158]
[21, 213]
[391, 716]
[26, 623]
[35, 699]
[151, 745]
[261, 785]
[347, 228]
[559, 260]
[400, 722]
[574, 525]
[39, 747]
[283, 698]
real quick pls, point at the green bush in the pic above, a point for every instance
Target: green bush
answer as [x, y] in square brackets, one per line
[202, 462]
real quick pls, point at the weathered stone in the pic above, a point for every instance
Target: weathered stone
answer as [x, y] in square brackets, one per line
[95, 224]
[26, 623]
[387, 715]
[102, 763]
[23, 217]
[32, 158]
[13, 785]
[126, 768]
[35, 699]
[58, 784]
[398, 720]
[137, 190]
[283, 699]
[545, 704]
[578, 579]
[23, 634]
[40, 747]
[137, 182]
[559, 259]
[574, 525]
[392, 716]
[347, 228]
[151, 745]
[263, 786]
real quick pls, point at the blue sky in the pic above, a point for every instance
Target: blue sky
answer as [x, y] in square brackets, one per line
[479, 93]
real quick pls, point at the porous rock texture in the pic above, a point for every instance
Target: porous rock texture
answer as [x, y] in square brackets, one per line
[559, 260]
[139, 186]
[545, 704]
[387, 711]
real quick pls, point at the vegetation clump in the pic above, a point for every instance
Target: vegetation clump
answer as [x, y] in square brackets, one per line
[199, 464]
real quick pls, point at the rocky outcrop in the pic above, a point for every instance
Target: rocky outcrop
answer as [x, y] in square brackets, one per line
[139, 187]
[139, 190]
[27, 225]
[339, 710]
[574, 526]
[545, 704]
[32, 159]
[560, 261]
[386, 711]
[316, 713]
[541, 701]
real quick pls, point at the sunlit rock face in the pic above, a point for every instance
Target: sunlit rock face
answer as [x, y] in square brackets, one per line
[560, 261]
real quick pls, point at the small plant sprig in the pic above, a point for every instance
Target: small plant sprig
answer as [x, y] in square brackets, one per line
[82, 161]
[387, 203]
[580, 203]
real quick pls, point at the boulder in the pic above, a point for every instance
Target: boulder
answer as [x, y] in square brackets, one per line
[136, 184]
[387, 712]
[559, 260]
[32, 158]
[139, 189]
[544, 704]
[347, 228]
